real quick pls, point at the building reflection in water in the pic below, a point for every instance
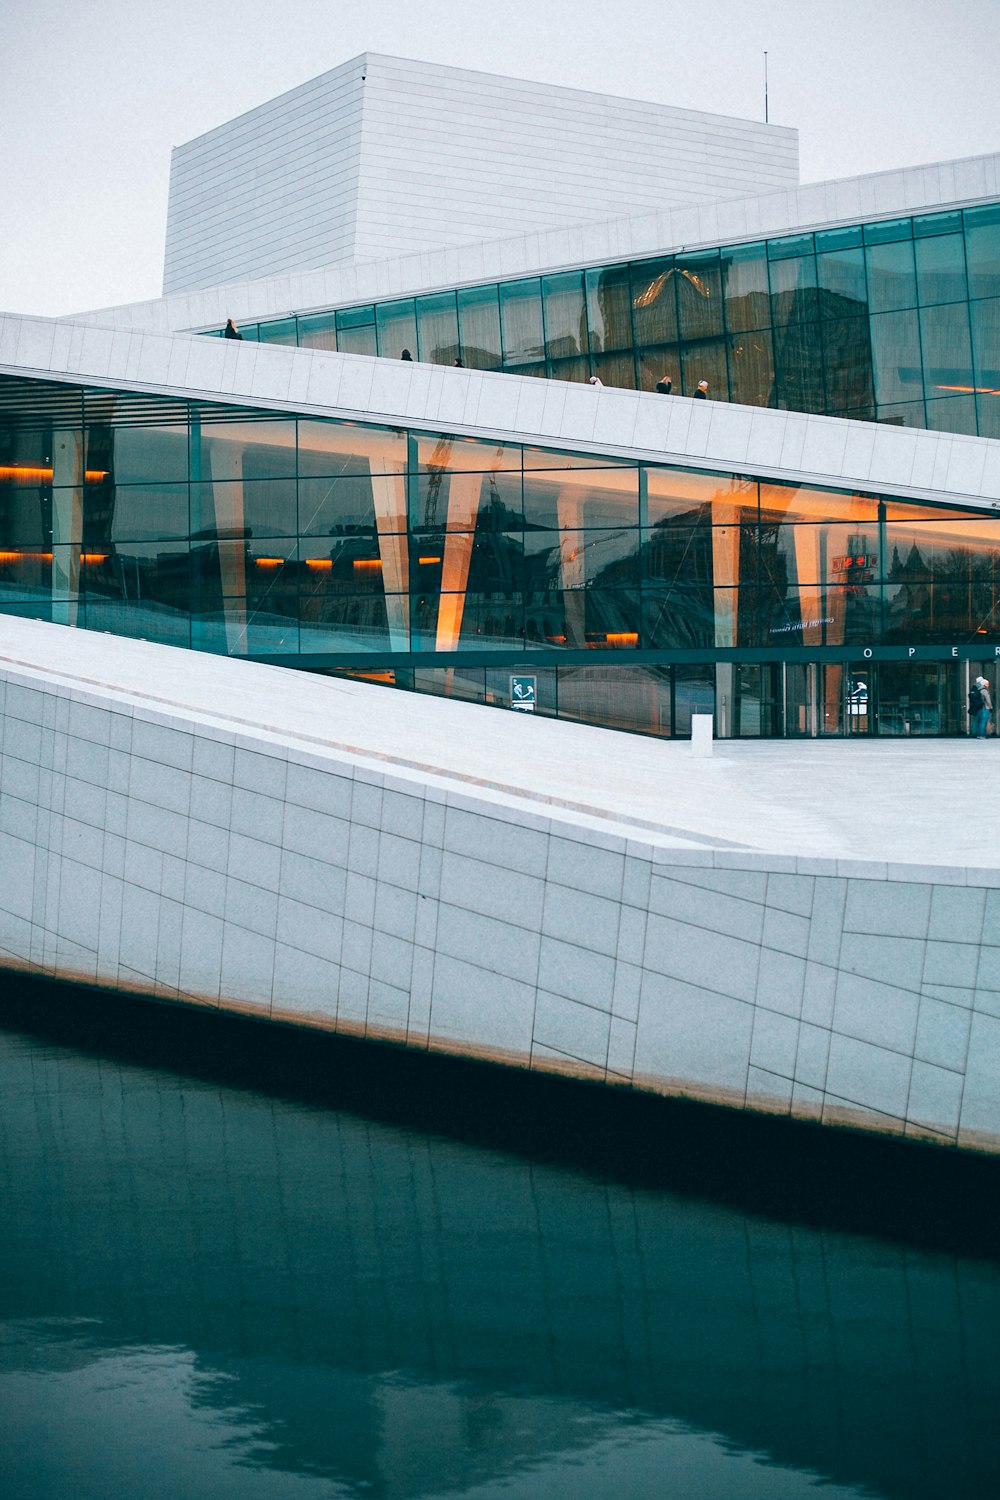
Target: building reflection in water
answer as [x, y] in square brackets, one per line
[211, 1291]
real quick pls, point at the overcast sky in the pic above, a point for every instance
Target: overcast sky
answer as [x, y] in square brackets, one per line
[94, 93]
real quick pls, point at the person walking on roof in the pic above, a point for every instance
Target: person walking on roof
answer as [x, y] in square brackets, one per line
[665, 385]
[231, 330]
[980, 708]
[702, 391]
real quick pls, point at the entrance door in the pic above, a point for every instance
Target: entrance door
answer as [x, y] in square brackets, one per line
[848, 699]
[918, 697]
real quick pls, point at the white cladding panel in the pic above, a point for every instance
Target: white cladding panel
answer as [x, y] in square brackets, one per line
[277, 187]
[382, 156]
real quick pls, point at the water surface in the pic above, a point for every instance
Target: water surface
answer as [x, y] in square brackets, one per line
[210, 1287]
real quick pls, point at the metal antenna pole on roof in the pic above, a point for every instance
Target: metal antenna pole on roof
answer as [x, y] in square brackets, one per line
[765, 88]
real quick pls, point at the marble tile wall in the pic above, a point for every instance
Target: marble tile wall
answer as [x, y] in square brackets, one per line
[172, 855]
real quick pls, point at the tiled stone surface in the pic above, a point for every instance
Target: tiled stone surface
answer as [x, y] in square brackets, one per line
[159, 849]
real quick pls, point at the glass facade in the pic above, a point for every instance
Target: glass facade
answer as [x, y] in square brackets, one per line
[632, 595]
[896, 321]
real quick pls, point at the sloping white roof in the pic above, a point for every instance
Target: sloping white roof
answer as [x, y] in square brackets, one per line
[632, 424]
[910, 190]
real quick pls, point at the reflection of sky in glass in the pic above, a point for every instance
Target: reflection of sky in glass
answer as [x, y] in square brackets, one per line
[211, 1292]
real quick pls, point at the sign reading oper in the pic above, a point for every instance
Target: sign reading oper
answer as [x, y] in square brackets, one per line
[522, 694]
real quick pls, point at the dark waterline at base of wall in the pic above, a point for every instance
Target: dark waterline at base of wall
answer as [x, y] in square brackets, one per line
[825, 1176]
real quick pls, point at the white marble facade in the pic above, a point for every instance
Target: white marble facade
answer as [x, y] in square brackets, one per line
[385, 156]
[171, 852]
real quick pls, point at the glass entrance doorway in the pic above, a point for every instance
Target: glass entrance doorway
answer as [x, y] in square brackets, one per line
[885, 698]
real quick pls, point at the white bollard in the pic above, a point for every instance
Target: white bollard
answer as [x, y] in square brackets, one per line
[701, 734]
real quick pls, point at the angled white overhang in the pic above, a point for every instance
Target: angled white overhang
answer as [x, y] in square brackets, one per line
[910, 190]
[936, 466]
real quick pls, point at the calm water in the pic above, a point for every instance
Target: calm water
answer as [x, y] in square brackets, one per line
[214, 1285]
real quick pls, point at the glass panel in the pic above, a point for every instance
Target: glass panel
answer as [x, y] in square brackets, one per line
[908, 414]
[694, 693]
[337, 623]
[332, 448]
[676, 554]
[954, 414]
[798, 366]
[751, 368]
[338, 507]
[985, 318]
[437, 328]
[261, 508]
[565, 315]
[497, 562]
[678, 616]
[135, 454]
[946, 223]
[581, 559]
[634, 698]
[432, 451]
[138, 511]
[982, 250]
[896, 357]
[891, 280]
[793, 290]
[345, 565]
[318, 332]
[245, 450]
[577, 498]
[356, 340]
[281, 331]
[947, 352]
[889, 229]
[492, 621]
[792, 244]
[941, 269]
[448, 500]
[802, 503]
[615, 369]
[355, 317]
[838, 239]
[747, 298]
[609, 310]
[705, 360]
[699, 295]
[683, 497]
[847, 364]
[521, 321]
[142, 589]
[465, 683]
[576, 370]
[396, 328]
[843, 290]
[479, 326]
[654, 306]
[660, 362]
[26, 513]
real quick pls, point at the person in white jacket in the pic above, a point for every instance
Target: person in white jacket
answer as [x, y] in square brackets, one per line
[981, 716]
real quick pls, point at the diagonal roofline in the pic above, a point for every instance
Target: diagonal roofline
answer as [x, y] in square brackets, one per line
[940, 467]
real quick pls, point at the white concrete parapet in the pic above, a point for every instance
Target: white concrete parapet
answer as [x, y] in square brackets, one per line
[238, 857]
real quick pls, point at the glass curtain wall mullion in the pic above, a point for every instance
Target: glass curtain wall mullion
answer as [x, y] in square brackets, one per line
[635, 321]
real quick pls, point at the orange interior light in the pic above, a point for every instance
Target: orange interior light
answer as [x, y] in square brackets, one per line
[428, 560]
[367, 564]
[622, 638]
[32, 474]
[269, 562]
[321, 564]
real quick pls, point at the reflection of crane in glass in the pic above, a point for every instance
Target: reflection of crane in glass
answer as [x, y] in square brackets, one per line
[649, 296]
[437, 467]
